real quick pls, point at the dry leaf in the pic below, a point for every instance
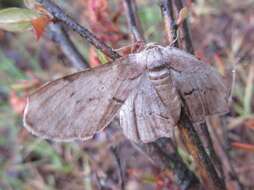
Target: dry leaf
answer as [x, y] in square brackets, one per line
[183, 14]
[39, 25]
[17, 103]
[243, 146]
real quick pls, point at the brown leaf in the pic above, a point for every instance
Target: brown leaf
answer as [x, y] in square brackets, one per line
[250, 123]
[17, 103]
[243, 146]
[93, 58]
[39, 25]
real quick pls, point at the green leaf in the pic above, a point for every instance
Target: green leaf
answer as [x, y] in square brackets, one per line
[17, 19]
[102, 57]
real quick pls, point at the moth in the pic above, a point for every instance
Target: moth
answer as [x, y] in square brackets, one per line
[146, 89]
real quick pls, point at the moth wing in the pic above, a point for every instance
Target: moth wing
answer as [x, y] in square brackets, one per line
[78, 105]
[200, 86]
[143, 117]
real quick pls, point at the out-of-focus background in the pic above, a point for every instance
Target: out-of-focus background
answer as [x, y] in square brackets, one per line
[223, 35]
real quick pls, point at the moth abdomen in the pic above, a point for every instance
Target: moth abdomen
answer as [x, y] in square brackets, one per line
[163, 83]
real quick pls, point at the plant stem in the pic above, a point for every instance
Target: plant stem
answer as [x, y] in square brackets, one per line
[61, 37]
[133, 20]
[171, 160]
[169, 21]
[186, 31]
[59, 15]
[205, 167]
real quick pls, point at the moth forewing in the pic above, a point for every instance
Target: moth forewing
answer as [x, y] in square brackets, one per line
[78, 105]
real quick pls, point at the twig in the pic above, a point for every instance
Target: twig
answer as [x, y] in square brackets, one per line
[60, 36]
[205, 167]
[190, 137]
[59, 15]
[133, 20]
[115, 153]
[169, 21]
[97, 182]
[230, 173]
[185, 178]
[210, 149]
[168, 158]
[186, 30]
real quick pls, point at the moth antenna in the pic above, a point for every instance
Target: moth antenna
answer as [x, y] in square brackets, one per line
[152, 45]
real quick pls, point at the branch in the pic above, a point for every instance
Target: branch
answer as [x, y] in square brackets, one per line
[59, 15]
[186, 30]
[169, 21]
[133, 20]
[210, 149]
[115, 153]
[205, 167]
[170, 159]
[230, 174]
[60, 36]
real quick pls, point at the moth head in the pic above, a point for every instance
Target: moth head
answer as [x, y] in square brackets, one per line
[151, 57]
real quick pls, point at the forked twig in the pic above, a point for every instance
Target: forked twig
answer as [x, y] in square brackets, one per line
[59, 15]
[167, 10]
[169, 158]
[190, 137]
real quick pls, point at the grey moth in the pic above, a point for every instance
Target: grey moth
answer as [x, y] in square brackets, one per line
[145, 88]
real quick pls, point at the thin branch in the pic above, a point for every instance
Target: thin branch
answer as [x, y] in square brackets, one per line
[186, 31]
[120, 170]
[210, 149]
[60, 36]
[170, 159]
[133, 20]
[169, 21]
[190, 137]
[59, 15]
[205, 167]
[229, 170]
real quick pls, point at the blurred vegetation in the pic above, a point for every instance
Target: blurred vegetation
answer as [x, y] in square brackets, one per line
[222, 34]
[12, 3]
